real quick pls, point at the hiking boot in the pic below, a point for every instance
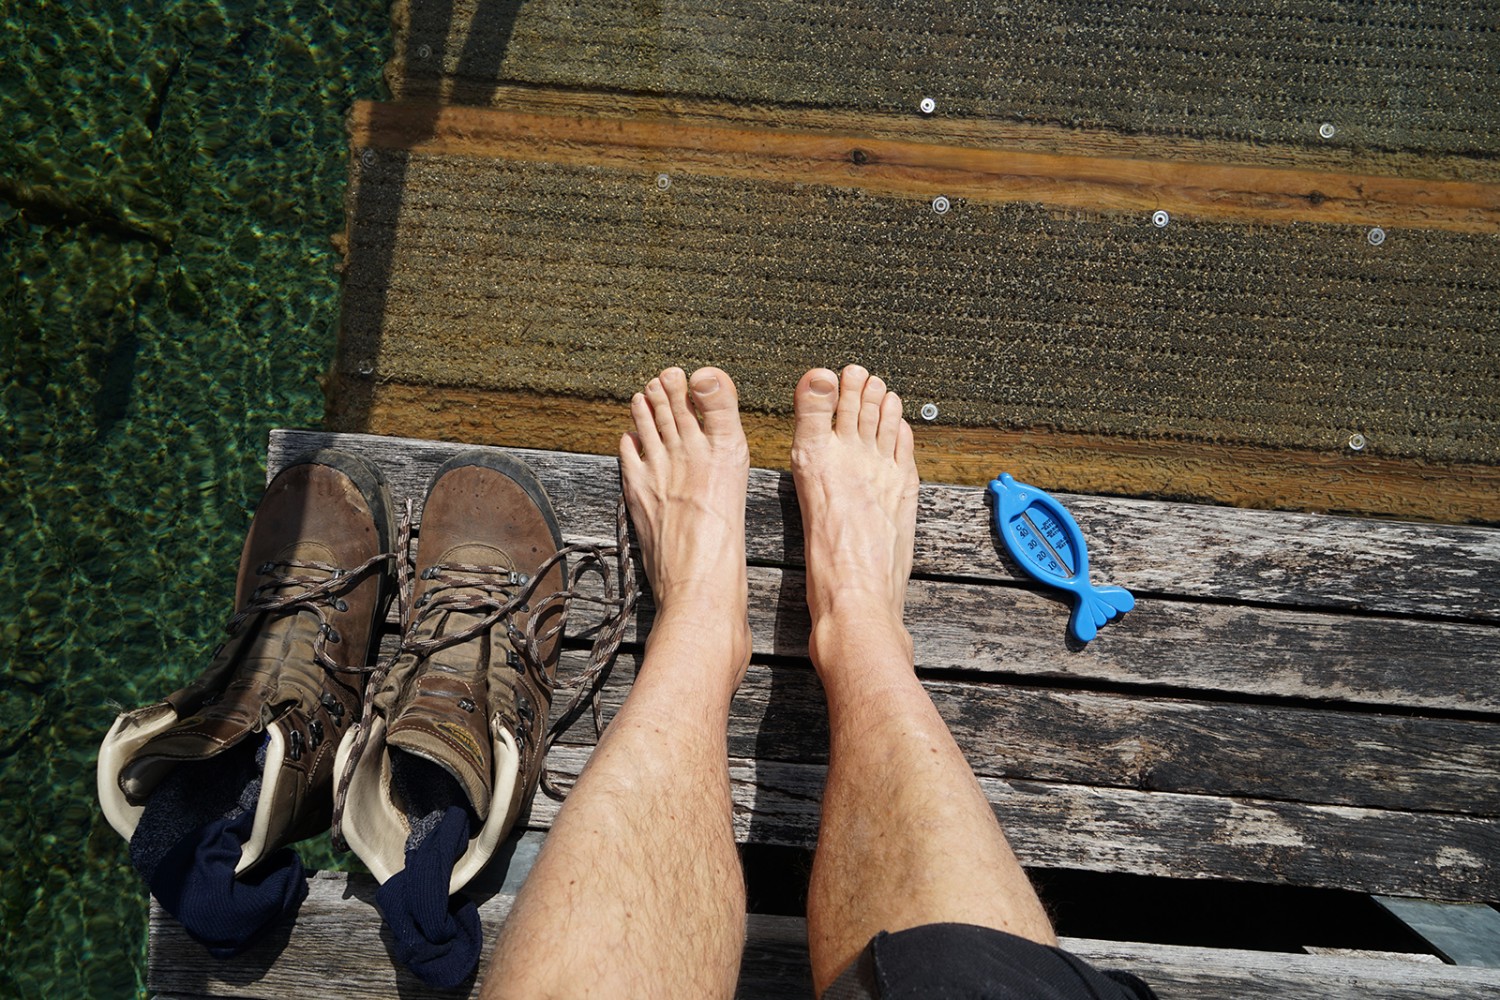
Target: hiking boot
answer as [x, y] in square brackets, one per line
[460, 720]
[311, 594]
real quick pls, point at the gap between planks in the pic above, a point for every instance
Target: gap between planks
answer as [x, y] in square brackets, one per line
[1211, 191]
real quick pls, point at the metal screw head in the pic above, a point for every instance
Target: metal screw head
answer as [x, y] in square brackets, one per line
[1159, 219]
[1376, 236]
[927, 105]
[367, 157]
[1356, 442]
[940, 205]
[663, 182]
[929, 411]
[1327, 131]
[424, 51]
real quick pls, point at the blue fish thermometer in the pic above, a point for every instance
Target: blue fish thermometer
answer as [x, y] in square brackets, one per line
[1043, 537]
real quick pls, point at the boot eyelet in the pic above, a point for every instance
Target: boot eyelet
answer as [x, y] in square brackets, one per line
[315, 730]
[265, 568]
[467, 704]
[294, 745]
[341, 604]
[512, 660]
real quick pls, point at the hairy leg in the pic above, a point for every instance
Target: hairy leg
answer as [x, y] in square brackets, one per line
[638, 890]
[907, 836]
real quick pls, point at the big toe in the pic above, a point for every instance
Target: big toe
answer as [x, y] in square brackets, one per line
[814, 402]
[718, 401]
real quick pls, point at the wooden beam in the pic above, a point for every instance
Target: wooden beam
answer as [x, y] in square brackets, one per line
[1305, 560]
[1218, 192]
[1245, 476]
[947, 130]
[1137, 741]
[1055, 825]
[338, 943]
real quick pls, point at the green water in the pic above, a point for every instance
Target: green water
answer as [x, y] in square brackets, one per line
[170, 173]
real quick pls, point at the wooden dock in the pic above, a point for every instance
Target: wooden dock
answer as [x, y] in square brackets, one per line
[1297, 700]
[1220, 271]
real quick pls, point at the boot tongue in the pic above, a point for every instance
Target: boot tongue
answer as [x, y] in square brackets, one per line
[446, 718]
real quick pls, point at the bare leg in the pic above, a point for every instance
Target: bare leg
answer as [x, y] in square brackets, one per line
[638, 890]
[907, 837]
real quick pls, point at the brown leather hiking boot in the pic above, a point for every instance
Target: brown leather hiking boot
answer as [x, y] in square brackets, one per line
[461, 717]
[311, 594]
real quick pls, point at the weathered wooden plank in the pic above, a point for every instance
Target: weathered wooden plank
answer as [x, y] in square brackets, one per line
[1213, 472]
[1176, 971]
[1156, 548]
[1208, 191]
[338, 945]
[1463, 933]
[1000, 632]
[946, 129]
[1273, 652]
[1132, 741]
[1391, 78]
[1428, 855]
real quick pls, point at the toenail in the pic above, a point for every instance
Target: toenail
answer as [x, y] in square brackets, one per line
[707, 386]
[822, 386]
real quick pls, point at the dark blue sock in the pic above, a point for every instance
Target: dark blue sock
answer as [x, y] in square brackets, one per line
[188, 843]
[195, 882]
[437, 938]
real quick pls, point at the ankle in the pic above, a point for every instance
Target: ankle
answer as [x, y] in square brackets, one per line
[862, 639]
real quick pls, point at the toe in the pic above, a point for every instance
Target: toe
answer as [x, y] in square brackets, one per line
[890, 424]
[814, 401]
[631, 463]
[869, 408]
[851, 389]
[675, 382]
[661, 411]
[645, 433]
[905, 445]
[717, 400]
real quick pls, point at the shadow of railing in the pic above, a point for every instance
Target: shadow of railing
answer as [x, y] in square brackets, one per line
[372, 215]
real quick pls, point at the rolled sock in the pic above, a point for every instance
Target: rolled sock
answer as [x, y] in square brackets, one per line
[435, 936]
[195, 882]
[189, 841]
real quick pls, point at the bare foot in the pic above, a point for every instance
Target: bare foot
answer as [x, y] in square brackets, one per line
[684, 470]
[852, 460]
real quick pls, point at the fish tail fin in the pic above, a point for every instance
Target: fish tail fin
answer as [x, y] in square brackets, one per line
[1098, 605]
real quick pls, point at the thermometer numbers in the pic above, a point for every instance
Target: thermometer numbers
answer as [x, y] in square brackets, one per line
[1044, 541]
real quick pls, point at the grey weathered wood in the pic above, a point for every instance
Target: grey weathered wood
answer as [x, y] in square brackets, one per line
[1463, 933]
[1187, 550]
[1137, 741]
[1010, 632]
[1057, 825]
[338, 950]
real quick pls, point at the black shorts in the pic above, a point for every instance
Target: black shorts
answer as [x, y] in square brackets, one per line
[964, 962]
